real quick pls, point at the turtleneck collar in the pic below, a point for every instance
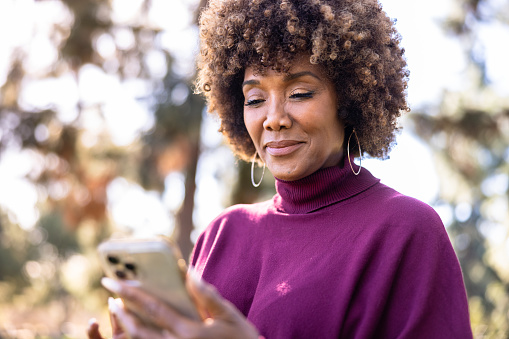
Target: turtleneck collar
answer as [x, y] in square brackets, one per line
[322, 188]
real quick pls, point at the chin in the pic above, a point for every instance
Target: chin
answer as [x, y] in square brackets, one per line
[289, 175]
[290, 170]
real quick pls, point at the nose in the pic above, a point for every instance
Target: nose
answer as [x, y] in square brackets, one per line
[277, 116]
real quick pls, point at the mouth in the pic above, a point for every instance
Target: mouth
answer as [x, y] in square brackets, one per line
[283, 147]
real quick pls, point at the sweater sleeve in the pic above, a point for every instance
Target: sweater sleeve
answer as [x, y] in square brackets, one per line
[425, 295]
[203, 247]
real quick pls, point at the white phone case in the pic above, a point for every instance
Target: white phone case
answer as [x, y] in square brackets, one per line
[155, 264]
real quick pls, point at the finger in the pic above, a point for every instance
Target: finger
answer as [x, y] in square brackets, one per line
[192, 274]
[93, 329]
[207, 298]
[153, 309]
[114, 305]
[117, 330]
[131, 325]
[224, 316]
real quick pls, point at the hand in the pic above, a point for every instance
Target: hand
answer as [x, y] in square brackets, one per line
[221, 318]
[118, 332]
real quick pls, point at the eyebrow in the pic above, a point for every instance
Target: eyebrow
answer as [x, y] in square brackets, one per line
[250, 82]
[287, 78]
[293, 76]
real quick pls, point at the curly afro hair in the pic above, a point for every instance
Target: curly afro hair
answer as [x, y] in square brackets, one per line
[354, 40]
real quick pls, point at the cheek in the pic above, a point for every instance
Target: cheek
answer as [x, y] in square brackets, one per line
[333, 132]
[337, 135]
[251, 124]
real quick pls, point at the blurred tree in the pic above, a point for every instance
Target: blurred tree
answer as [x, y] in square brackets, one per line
[82, 172]
[174, 145]
[73, 162]
[469, 133]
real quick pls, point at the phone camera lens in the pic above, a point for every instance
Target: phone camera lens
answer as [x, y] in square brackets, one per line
[130, 267]
[120, 274]
[114, 260]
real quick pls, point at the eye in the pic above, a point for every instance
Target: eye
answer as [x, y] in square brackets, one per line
[254, 102]
[302, 95]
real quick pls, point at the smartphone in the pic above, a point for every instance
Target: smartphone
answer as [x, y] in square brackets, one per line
[155, 264]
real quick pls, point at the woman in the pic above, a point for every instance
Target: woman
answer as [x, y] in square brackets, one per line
[303, 87]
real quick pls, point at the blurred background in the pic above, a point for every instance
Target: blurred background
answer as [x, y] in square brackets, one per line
[101, 135]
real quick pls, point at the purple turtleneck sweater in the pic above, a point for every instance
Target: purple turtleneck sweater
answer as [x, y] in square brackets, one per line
[335, 255]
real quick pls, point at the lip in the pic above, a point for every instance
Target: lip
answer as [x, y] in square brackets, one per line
[282, 147]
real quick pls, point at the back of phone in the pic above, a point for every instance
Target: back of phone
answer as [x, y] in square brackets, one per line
[154, 264]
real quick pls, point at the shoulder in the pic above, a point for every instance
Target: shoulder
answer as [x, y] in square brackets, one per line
[399, 217]
[233, 226]
[419, 269]
[241, 212]
[389, 203]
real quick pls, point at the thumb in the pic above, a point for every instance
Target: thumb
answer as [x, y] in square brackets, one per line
[209, 302]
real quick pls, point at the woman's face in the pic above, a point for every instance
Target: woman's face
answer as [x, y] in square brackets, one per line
[292, 119]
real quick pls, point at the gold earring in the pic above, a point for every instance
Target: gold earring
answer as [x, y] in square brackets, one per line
[252, 171]
[360, 152]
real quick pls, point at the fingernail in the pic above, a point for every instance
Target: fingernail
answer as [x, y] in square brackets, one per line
[111, 285]
[92, 321]
[133, 283]
[119, 302]
[113, 306]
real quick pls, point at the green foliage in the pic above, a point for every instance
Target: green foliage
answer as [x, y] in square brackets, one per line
[13, 255]
[58, 235]
[53, 267]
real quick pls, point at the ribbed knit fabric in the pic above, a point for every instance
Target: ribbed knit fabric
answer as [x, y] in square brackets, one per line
[322, 188]
[336, 255]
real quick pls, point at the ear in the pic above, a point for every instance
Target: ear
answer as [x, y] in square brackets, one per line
[343, 115]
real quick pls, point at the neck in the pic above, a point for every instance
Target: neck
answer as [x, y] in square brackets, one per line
[322, 188]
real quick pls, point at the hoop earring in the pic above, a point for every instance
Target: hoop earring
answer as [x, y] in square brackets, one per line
[252, 171]
[360, 152]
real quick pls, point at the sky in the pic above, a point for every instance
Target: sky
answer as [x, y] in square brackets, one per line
[436, 63]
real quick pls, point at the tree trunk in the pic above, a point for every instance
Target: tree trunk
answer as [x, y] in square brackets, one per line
[185, 215]
[184, 222]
